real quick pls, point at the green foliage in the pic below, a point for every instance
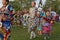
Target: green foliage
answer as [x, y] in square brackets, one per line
[55, 4]
[21, 4]
[15, 5]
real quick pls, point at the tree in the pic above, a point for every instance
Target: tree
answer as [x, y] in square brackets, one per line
[55, 4]
[15, 5]
[21, 4]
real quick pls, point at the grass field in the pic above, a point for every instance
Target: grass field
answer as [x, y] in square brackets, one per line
[19, 33]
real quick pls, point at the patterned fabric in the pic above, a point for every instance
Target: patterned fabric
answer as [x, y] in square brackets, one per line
[47, 27]
[7, 14]
[31, 24]
[25, 19]
[32, 12]
[42, 14]
[32, 19]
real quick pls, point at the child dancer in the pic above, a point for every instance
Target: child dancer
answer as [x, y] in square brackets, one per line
[41, 15]
[8, 14]
[47, 26]
[31, 28]
[39, 27]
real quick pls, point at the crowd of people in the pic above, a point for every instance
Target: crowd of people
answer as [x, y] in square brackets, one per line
[34, 19]
[37, 18]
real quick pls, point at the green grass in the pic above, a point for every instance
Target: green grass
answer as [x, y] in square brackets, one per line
[18, 33]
